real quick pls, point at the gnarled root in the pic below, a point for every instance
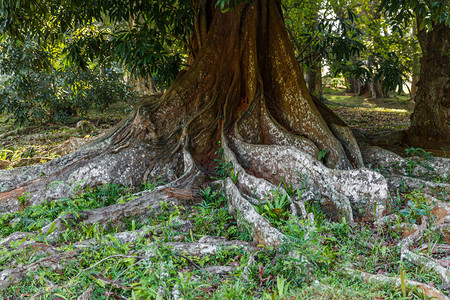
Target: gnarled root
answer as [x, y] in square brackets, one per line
[128, 154]
[428, 263]
[11, 276]
[365, 189]
[205, 246]
[247, 217]
[429, 291]
[389, 162]
[410, 184]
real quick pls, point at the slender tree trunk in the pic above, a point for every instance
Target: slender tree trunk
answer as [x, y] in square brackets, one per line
[377, 89]
[365, 89]
[315, 80]
[354, 85]
[430, 121]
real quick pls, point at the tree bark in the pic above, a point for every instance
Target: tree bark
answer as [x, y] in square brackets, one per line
[414, 81]
[364, 90]
[430, 120]
[354, 85]
[377, 89]
[315, 80]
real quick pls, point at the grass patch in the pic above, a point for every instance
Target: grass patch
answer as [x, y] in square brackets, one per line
[308, 265]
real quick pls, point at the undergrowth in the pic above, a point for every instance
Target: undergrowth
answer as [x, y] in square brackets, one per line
[309, 264]
[292, 271]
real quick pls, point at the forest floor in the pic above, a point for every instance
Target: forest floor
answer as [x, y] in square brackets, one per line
[372, 116]
[197, 251]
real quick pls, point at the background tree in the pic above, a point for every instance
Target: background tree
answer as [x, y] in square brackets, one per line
[326, 32]
[430, 119]
[82, 56]
[39, 86]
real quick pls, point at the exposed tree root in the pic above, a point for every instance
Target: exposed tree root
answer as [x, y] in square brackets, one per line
[15, 275]
[145, 205]
[257, 126]
[219, 270]
[442, 249]
[426, 262]
[411, 184]
[390, 162]
[362, 187]
[205, 246]
[428, 291]
[247, 217]
[87, 293]
[117, 156]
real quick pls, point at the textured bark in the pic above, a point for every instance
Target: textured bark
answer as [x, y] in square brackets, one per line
[430, 123]
[244, 88]
[315, 80]
[354, 85]
[392, 163]
[55, 262]
[377, 89]
[364, 90]
[414, 81]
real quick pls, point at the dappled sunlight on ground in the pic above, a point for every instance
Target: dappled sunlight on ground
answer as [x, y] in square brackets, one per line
[372, 115]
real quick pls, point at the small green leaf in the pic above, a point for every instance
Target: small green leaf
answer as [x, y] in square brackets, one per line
[322, 154]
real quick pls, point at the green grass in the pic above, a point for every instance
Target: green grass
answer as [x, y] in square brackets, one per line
[320, 255]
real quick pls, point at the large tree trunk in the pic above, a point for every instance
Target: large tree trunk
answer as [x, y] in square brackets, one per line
[413, 91]
[430, 120]
[245, 89]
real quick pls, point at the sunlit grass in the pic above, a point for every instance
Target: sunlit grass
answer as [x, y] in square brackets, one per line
[372, 115]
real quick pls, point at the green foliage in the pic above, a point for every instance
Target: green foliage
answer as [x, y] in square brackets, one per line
[391, 72]
[224, 168]
[35, 91]
[150, 268]
[426, 12]
[275, 208]
[148, 38]
[417, 207]
[322, 154]
[35, 217]
[418, 152]
[325, 31]
[211, 217]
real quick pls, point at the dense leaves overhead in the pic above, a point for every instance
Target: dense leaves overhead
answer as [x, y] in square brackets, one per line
[426, 12]
[148, 37]
[326, 31]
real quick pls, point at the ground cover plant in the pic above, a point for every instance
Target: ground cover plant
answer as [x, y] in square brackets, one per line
[198, 251]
